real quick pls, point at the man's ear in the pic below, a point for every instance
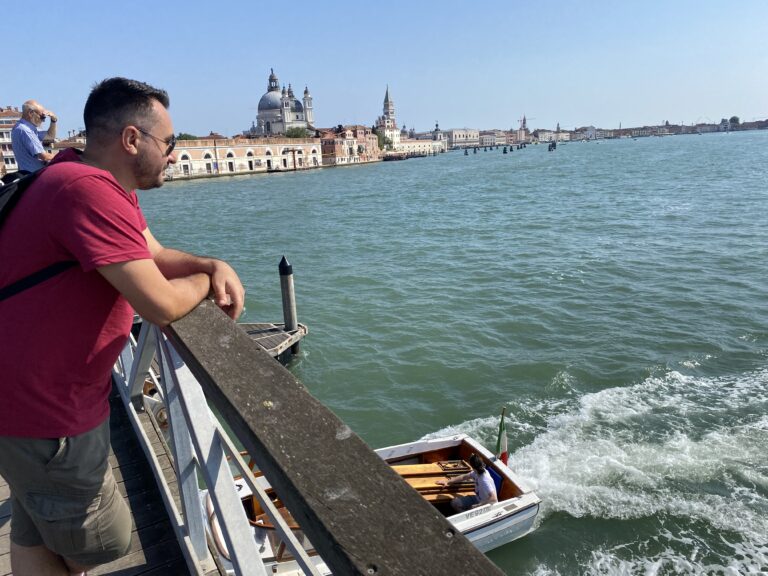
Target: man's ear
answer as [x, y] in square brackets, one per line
[128, 139]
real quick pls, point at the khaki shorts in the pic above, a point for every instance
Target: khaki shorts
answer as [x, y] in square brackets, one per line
[64, 496]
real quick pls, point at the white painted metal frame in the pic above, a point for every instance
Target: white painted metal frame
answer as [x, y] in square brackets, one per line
[199, 443]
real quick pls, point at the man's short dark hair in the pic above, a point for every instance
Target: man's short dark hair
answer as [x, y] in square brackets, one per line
[118, 102]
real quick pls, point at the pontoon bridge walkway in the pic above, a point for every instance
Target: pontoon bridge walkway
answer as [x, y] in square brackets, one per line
[361, 517]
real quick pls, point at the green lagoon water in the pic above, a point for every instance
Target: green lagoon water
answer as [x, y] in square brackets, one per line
[612, 295]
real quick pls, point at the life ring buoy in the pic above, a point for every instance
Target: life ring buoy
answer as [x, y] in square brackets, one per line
[216, 533]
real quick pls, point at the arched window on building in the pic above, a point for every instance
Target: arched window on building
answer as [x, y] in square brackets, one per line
[185, 164]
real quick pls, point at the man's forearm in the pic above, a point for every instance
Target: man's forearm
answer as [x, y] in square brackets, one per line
[50, 136]
[177, 263]
[228, 291]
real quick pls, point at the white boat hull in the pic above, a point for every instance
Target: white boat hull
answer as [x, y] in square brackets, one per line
[487, 527]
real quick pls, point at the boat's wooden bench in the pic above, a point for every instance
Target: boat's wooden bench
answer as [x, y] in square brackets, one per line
[423, 478]
[263, 521]
[446, 493]
[441, 468]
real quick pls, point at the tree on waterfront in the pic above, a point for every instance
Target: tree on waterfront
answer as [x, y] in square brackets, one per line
[734, 120]
[185, 136]
[384, 142]
[297, 132]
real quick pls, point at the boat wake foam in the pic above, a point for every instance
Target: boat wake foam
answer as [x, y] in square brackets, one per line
[677, 464]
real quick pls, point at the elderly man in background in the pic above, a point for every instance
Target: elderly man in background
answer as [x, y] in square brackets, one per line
[27, 140]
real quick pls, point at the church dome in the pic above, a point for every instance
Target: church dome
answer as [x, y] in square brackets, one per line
[270, 101]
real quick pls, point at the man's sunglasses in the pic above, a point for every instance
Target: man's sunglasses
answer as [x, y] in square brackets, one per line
[171, 142]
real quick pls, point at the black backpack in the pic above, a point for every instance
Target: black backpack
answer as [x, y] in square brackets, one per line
[12, 189]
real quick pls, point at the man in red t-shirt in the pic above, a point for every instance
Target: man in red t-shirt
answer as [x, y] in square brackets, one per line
[60, 338]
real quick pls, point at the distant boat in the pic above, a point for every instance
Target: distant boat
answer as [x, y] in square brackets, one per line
[420, 464]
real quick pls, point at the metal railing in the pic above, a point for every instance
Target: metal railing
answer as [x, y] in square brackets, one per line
[200, 448]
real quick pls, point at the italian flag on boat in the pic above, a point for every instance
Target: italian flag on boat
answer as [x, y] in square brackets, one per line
[502, 451]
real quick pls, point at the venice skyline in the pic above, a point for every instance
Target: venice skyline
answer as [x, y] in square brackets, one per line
[632, 64]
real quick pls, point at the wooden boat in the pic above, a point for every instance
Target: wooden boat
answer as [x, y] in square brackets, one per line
[395, 156]
[420, 464]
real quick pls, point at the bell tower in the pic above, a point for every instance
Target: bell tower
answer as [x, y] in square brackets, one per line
[389, 110]
[285, 108]
[309, 113]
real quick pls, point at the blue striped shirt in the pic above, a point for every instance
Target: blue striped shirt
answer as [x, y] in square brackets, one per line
[26, 141]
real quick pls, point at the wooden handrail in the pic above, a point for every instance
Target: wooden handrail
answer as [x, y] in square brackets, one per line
[360, 515]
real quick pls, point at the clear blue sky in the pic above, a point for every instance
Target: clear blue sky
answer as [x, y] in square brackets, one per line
[480, 64]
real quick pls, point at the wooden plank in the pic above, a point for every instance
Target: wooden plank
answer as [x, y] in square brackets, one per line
[155, 536]
[450, 468]
[139, 469]
[154, 548]
[151, 556]
[440, 497]
[359, 514]
[273, 337]
[5, 564]
[264, 521]
[421, 483]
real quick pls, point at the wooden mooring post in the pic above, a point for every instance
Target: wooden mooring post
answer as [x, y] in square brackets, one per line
[289, 299]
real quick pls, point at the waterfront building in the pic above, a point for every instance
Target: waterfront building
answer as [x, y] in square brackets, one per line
[347, 145]
[279, 110]
[386, 124]
[462, 138]
[8, 118]
[75, 139]
[435, 135]
[542, 135]
[423, 143]
[493, 138]
[511, 137]
[420, 147]
[230, 156]
[216, 155]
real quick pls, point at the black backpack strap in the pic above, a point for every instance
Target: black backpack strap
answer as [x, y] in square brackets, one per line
[13, 189]
[35, 278]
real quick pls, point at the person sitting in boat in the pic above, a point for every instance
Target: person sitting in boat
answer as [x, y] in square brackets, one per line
[485, 489]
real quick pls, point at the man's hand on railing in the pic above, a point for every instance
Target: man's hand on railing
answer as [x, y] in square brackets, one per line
[227, 290]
